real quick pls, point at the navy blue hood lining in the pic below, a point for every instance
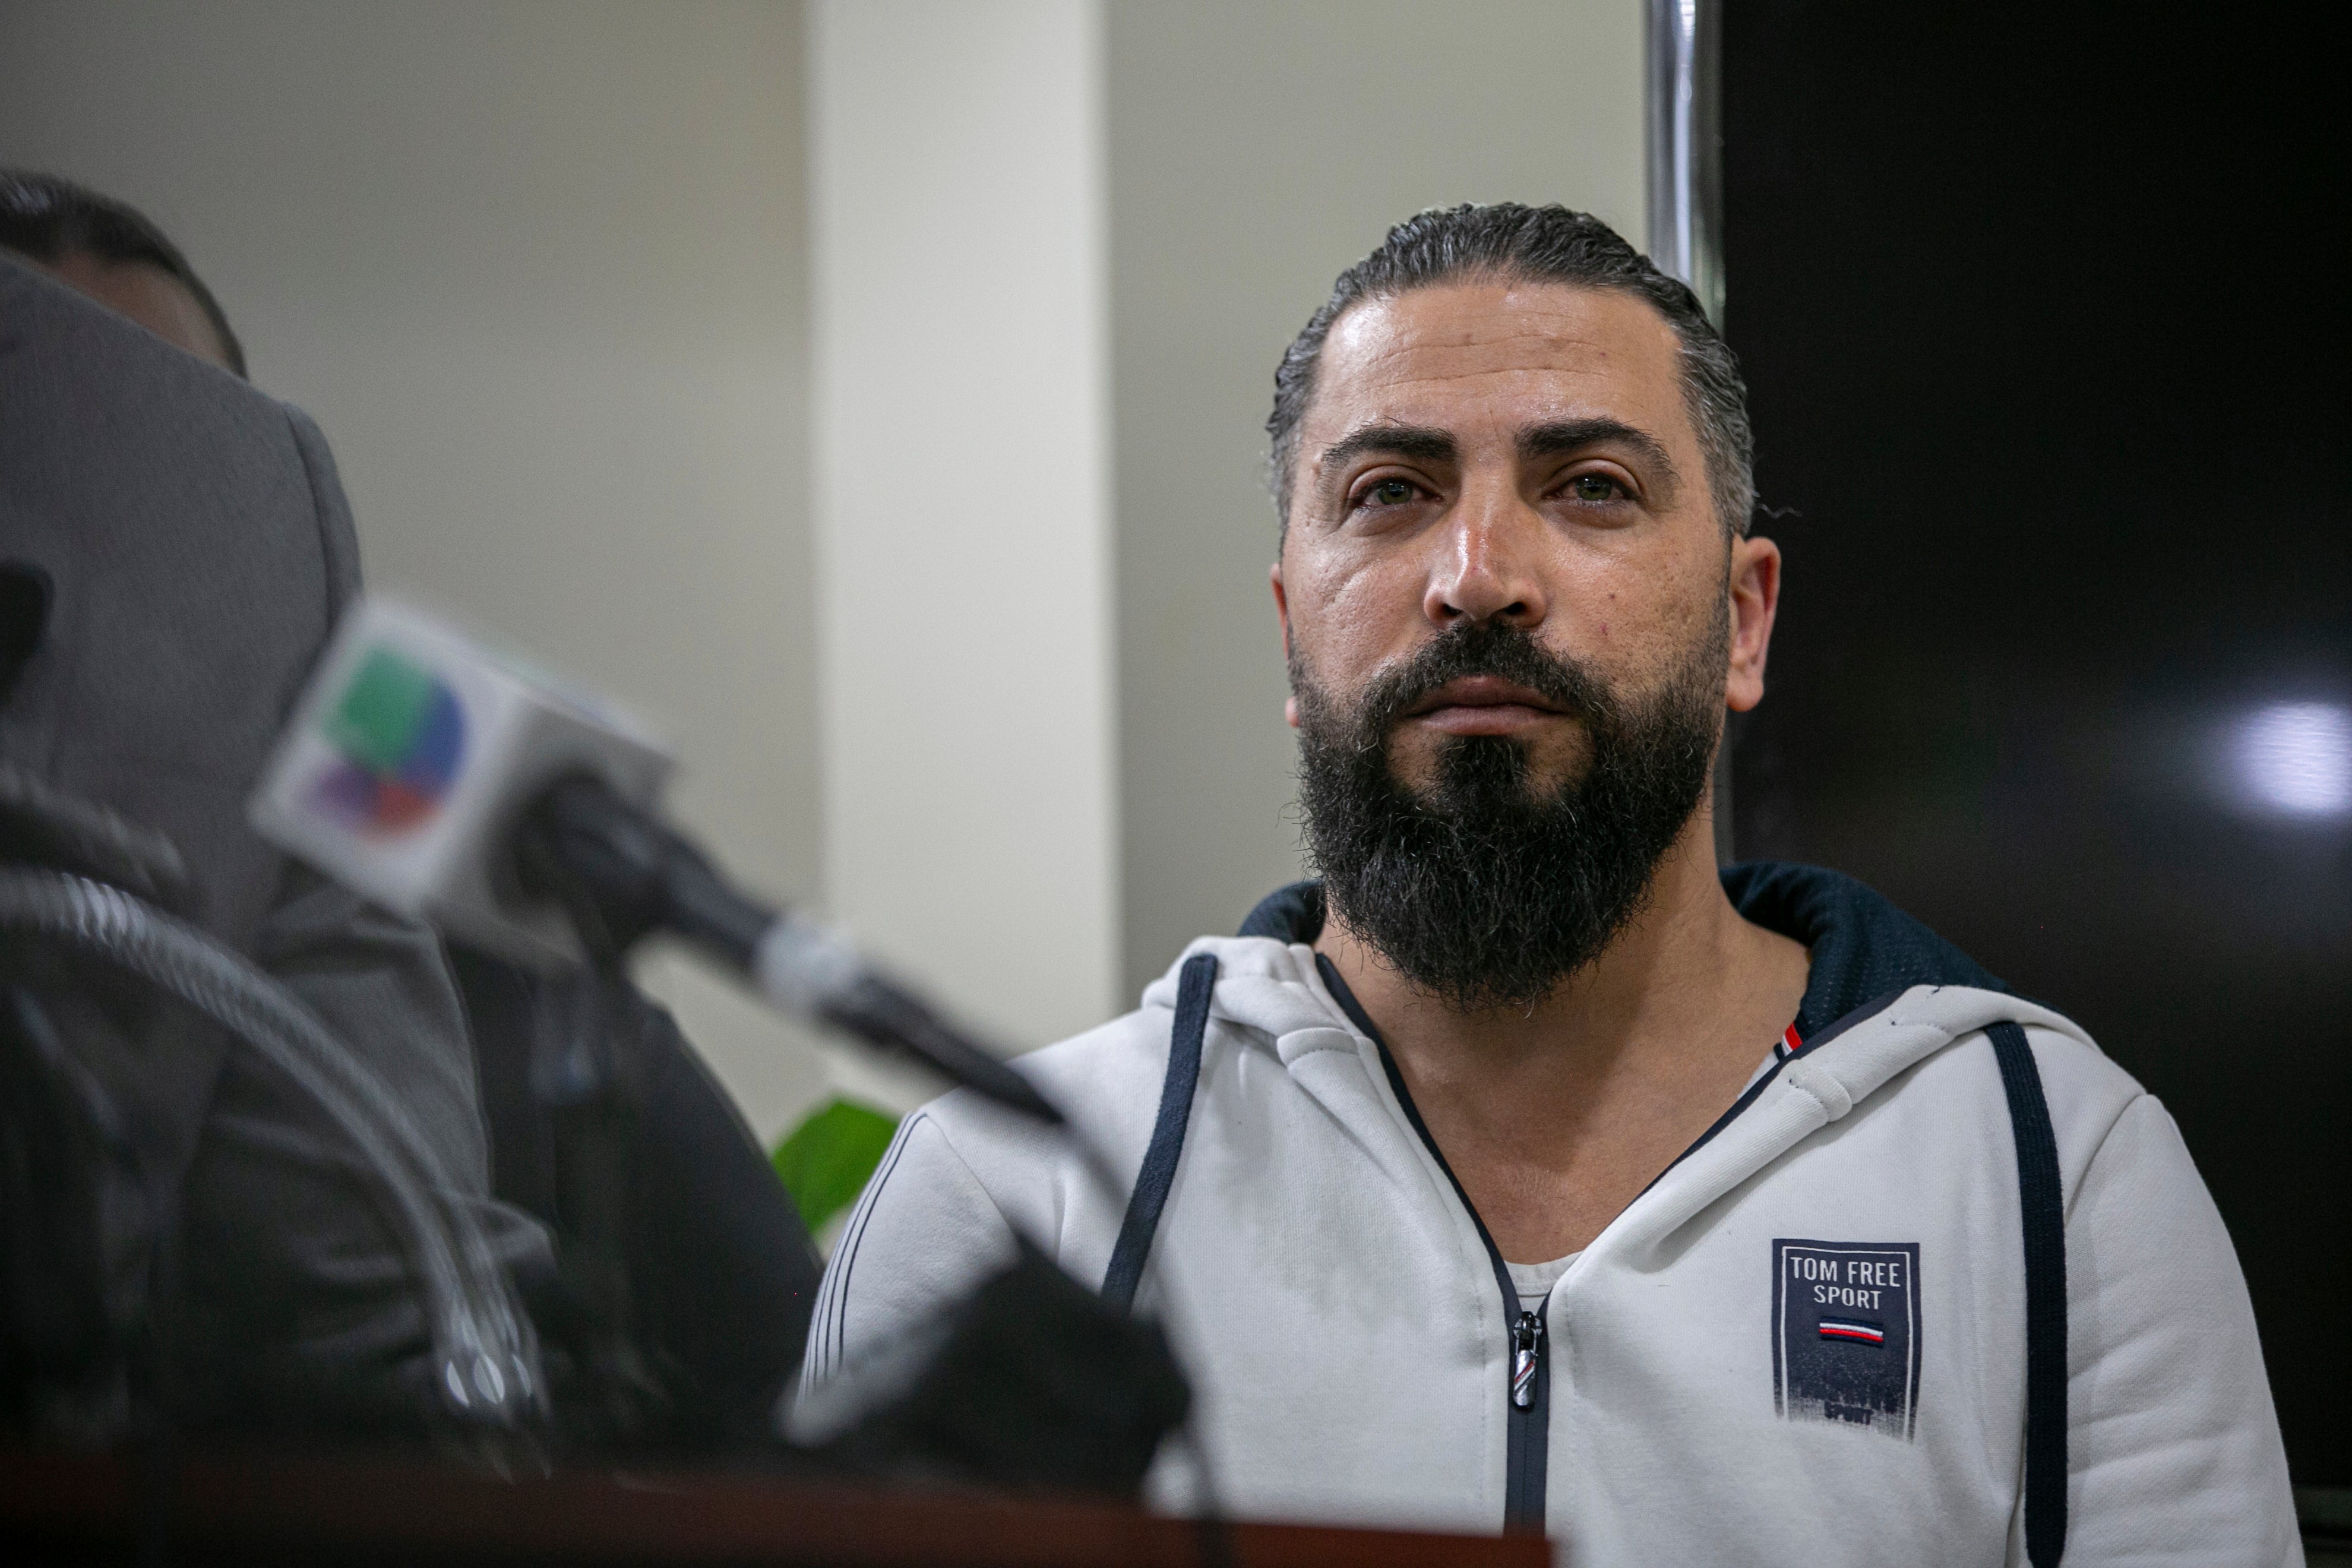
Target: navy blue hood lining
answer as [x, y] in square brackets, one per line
[1865, 949]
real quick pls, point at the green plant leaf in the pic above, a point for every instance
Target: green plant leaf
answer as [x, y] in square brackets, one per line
[826, 1161]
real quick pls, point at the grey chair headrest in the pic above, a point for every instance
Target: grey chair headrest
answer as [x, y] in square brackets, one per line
[192, 546]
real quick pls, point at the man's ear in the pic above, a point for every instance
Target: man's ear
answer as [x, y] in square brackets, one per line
[1282, 614]
[1755, 590]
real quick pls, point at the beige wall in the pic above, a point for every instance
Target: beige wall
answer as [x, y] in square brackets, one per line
[962, 516]
[956, 611]
[1255, 150]
[537, 268]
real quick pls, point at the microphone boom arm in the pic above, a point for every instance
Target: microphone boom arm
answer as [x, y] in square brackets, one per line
[622, 874]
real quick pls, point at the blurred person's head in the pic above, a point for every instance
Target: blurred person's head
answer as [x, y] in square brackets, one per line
[1517, 590]
[111, 253]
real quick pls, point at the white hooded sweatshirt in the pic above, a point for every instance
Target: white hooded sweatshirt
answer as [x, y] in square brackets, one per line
[1805, 1343]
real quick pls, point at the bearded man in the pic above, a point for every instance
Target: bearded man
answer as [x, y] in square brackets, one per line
[1527, 1171]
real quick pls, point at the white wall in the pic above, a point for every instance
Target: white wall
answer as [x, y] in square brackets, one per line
[537, 269]
[1256, 150]
[962, 514]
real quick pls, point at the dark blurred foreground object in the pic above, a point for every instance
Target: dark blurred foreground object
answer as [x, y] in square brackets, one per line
[188, 1238]
[265, 1511]
[685, 1276]
[1040, 1385]
[2045, 353]
[79, 894]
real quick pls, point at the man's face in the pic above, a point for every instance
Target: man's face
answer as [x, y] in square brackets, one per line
[1514, 621]
[1519, 454]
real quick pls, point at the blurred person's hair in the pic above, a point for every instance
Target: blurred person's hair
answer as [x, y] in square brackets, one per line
[49, 219]
[1510, 242]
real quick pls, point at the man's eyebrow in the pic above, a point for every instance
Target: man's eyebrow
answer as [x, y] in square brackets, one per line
[1417, 442]
[1575, 434]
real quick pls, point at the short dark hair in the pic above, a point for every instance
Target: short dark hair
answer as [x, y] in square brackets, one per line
[49, 219]
[1537, 245]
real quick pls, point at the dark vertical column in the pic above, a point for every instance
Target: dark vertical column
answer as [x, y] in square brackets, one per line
[1682, 174]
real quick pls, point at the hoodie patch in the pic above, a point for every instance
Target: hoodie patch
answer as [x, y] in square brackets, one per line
[1845, 1332]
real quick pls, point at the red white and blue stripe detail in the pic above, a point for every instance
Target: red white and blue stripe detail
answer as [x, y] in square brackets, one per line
[1853, 1330]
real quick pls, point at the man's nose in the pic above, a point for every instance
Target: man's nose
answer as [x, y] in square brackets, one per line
[1486, 569]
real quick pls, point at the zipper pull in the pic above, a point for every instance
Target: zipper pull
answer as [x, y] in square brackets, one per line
[1526, 1351]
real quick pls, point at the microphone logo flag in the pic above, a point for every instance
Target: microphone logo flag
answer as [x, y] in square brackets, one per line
[400, 736]
[407, 760]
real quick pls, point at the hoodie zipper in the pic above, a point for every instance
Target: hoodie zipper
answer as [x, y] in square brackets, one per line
[1527, 1358]
[1526, 1449]
[1528, 1461]
[1526, 1392]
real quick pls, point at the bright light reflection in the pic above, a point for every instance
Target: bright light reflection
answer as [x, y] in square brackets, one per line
[2295, 758]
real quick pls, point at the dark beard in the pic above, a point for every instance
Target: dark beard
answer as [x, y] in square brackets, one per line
[1483, 893]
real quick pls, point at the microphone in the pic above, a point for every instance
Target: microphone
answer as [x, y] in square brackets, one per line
[472, 792]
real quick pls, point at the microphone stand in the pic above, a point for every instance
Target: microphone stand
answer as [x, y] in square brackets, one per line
[621, 874]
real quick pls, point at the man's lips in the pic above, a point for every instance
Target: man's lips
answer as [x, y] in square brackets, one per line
[1483, 705]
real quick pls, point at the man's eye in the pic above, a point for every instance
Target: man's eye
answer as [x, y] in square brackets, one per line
[1595, 487]
[1391, 492]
